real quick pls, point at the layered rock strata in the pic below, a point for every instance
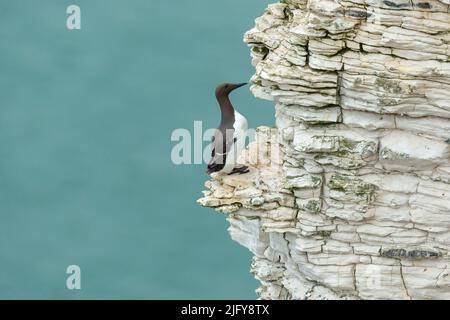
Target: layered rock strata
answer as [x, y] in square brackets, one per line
[349, 196]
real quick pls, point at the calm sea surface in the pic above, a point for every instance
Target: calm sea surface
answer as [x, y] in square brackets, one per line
[85, 123]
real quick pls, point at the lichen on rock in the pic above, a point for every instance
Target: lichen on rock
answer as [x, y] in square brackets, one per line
[349, 196]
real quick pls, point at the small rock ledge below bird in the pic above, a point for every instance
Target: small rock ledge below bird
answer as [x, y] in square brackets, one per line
[349, 197]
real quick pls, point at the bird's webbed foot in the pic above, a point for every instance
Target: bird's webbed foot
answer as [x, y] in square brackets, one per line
[240, 170]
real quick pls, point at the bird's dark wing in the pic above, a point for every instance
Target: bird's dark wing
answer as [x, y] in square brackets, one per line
[220, 148]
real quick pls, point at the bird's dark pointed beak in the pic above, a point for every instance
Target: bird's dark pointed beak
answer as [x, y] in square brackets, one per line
[240, 85]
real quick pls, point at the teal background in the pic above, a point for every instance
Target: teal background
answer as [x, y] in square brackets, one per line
[85, 171]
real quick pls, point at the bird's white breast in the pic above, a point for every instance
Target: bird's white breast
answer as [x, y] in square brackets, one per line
[240, 123]
[240, 133]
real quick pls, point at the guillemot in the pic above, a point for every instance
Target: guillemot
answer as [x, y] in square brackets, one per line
[229, 137]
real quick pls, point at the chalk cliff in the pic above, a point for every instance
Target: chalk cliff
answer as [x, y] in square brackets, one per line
[349, 196]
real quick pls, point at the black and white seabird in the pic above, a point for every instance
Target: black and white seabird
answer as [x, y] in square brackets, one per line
[229, 137]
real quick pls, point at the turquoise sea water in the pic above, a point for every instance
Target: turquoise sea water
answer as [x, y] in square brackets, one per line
[85, 123]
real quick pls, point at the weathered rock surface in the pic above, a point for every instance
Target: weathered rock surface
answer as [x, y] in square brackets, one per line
[349, 197]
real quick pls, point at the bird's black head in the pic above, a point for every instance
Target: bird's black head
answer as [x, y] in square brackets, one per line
[224, 89]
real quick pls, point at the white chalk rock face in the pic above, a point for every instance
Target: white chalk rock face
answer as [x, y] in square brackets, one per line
[349, 196]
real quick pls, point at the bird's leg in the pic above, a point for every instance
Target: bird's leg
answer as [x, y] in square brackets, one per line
[240, 170]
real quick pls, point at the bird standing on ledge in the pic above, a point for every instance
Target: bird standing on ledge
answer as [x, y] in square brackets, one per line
[229, 138]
